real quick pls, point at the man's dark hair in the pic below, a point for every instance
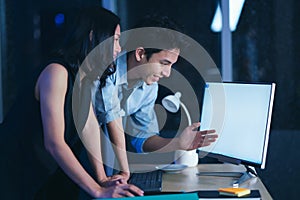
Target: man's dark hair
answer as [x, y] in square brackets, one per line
[162, 21]
[166, 32]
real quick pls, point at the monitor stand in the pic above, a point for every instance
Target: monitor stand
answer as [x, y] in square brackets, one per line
[248, 174]
[240, 176]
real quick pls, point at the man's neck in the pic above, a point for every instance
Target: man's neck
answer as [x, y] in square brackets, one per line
[132, 76]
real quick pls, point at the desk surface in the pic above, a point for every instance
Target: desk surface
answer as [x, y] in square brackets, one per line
[187, 180]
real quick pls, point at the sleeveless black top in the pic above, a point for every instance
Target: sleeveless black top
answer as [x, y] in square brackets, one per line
[58, 185]
[71, 136]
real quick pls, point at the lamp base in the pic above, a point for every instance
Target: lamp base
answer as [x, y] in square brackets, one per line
[189, 158]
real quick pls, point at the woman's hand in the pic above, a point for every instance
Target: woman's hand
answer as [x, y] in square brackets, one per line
[125, 175]
[119, 190]
[116, 179]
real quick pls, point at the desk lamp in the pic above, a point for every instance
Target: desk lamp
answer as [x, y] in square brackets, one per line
[172, 103]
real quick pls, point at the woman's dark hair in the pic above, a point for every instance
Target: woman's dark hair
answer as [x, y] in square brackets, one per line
[93, 25]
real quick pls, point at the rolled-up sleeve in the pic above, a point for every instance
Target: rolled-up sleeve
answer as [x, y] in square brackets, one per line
[106, 102]
[142, 124]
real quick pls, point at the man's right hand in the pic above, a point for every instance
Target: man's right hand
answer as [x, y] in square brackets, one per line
[191, 138]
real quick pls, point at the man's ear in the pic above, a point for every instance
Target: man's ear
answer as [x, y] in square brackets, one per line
[139, 53]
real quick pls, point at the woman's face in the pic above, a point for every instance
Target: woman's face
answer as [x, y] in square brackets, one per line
[117, 47]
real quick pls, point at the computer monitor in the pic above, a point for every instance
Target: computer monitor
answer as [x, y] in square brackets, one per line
[241, 115]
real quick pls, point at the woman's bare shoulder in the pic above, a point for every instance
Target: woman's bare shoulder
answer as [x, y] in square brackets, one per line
[54, 76]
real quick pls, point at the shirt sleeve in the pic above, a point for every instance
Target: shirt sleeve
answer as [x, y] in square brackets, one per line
[106, 101]
[143, 123]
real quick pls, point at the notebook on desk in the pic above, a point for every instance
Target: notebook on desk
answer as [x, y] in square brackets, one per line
[185, 196]
[214, 194]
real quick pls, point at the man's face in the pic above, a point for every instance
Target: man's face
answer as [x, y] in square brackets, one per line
[158, 66]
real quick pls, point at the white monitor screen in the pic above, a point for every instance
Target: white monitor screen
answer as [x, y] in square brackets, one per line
[240, 113]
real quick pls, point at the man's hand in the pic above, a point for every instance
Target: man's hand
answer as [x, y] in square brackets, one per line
[192, 139]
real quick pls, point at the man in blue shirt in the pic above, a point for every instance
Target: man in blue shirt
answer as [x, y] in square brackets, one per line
[129, 95]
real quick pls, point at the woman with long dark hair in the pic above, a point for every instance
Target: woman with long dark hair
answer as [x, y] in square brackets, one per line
[65, 129]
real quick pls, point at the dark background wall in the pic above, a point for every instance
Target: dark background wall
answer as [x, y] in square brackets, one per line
[265, 49]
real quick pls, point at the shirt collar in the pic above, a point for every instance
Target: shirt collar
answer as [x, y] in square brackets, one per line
[121, 72]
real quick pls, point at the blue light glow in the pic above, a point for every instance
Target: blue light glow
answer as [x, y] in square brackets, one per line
[59, 19]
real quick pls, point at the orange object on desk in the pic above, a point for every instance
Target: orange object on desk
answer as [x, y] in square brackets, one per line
[238, 192]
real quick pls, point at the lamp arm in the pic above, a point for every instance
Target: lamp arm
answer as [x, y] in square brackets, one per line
[187, 113]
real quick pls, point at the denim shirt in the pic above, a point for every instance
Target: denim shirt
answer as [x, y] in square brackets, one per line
[135, 105]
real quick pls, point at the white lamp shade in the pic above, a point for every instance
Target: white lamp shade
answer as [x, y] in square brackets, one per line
[172, 102]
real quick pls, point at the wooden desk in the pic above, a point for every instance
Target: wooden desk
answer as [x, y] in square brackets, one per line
[187, 180]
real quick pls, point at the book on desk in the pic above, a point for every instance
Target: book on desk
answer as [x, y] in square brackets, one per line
[215, 194]
[234, 191]
[195, 195]
[165, 196]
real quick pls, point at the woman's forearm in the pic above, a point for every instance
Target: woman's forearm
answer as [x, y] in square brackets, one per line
[117, 135]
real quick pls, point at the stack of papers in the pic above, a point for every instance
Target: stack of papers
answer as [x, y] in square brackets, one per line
[237, 192]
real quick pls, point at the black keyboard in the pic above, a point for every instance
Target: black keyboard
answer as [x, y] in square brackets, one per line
[149, 182]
